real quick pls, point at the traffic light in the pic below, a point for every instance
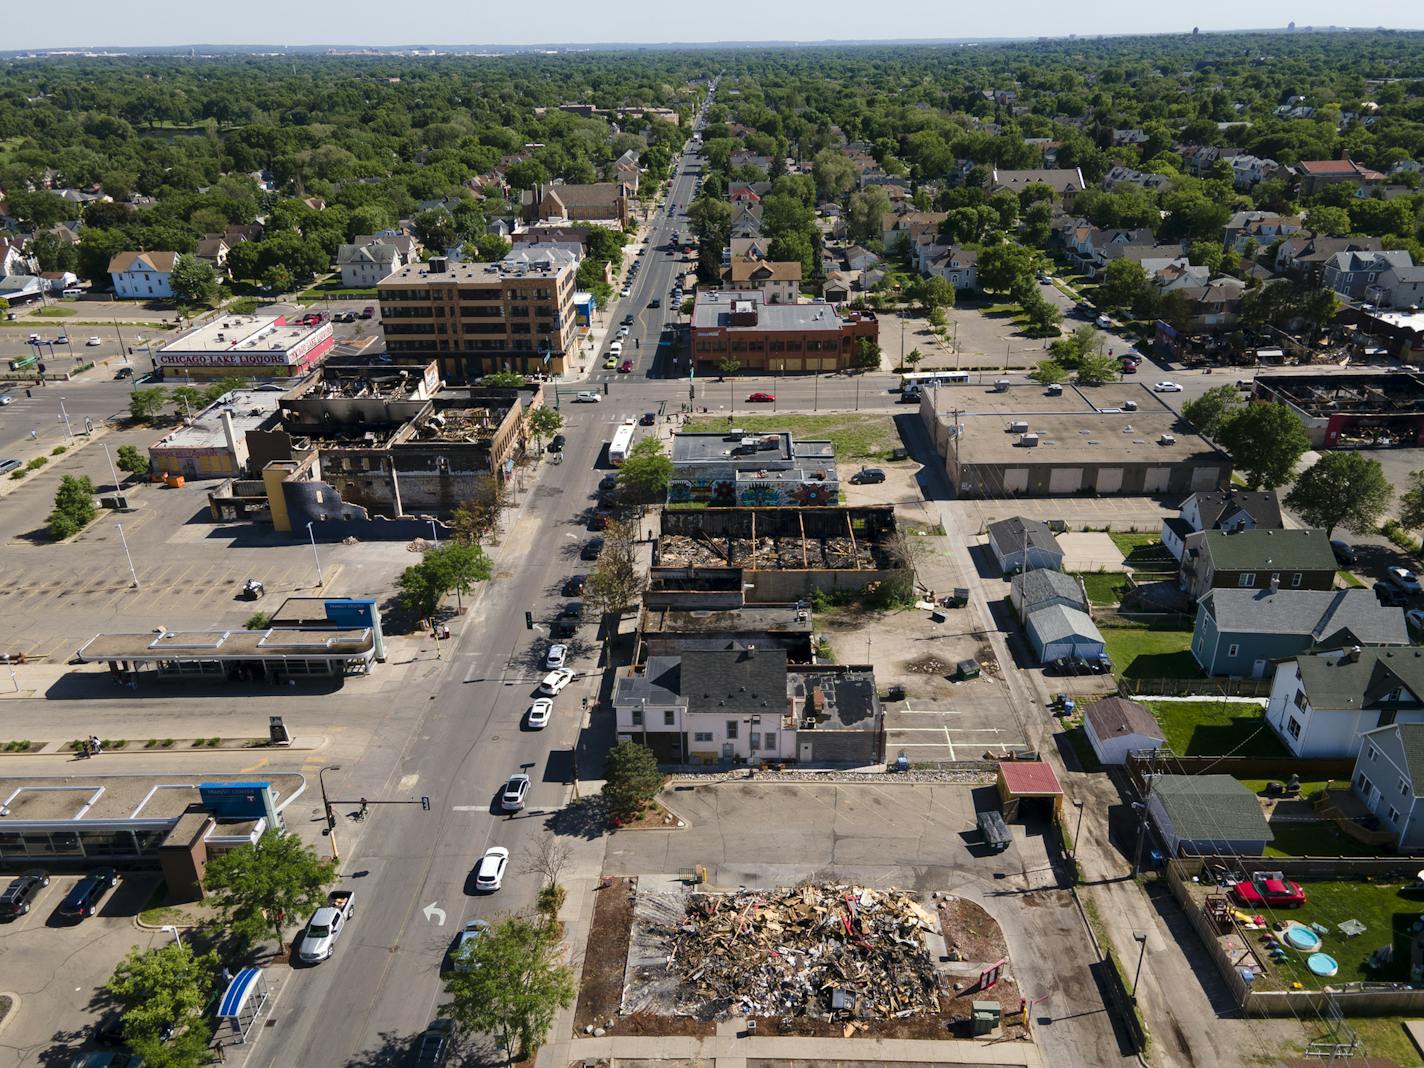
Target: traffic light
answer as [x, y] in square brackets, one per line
[528, 620]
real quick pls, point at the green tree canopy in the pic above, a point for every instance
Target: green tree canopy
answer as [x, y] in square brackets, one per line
[1209, 412]
[1266, 440]
[1341, 488]
[163, 992]
[258, 887]
[631, 779]
[644, 476]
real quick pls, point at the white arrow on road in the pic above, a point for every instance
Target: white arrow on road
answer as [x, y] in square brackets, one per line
[431, 911]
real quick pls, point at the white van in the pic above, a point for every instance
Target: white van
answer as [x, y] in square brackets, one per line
[616, 349]
[72, 291]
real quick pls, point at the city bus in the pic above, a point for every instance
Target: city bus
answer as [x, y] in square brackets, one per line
[918, 380]
[621, 443]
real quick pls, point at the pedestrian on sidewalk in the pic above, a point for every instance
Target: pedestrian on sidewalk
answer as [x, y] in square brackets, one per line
[94, 744]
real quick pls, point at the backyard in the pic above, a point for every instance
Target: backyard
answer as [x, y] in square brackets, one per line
[855, 437]
[1102, 587]
[1151, 653]
[1314, 838]
[1215, 728]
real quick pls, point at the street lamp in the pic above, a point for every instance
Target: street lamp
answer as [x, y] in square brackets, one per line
[1077, 830]
[169, 928]
[65, 416]
[320, 581]
[326, 808]
[1141, 938]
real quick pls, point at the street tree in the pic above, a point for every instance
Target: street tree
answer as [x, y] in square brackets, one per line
[631, 779]
[1006, 265]
[145, 404]
[1266, 440]
[1096, 370]
[1049, 372]
[1341, 489]
[73, 507]
[545, 422]
[728, 365]
[1082, 343]
[867, 354]
[510, 982]
[643, 478]
[459, 566]
[616, 581]
[1209, 412]
[477, 520]
[937, 293]
[1044, 318]
[277, 279]
[257, 887]
[193, 280]
[913, 358]
[130, 461]
[1411, 502]
[186, 400]
[421, 590]
[1125, 285]
[162, 993]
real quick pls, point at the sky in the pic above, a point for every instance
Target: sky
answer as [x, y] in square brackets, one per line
[104, 23]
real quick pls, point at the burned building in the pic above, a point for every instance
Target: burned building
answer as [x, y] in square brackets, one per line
[669, 631]
[752, 470]
[1352, 410]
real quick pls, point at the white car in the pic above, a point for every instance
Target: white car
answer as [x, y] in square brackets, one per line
[470, 932]
[626, 292]
[622, 332]
[1166, 387]
[5, 399]
[1405, 579]
[93, 341]
[539, 713]
[555, 681]
[556, 656]
[1103, 322]
[489, 873]
[515, 791]
[587, 397]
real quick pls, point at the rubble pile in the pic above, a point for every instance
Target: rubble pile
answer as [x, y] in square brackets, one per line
[834, 952]
[766, 553]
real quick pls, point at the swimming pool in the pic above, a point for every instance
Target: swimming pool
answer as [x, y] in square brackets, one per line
[1302, 938]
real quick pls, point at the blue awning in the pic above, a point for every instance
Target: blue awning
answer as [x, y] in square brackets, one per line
[237, 991]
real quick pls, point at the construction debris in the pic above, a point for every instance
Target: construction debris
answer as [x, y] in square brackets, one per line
[767, 553]
[831, 952]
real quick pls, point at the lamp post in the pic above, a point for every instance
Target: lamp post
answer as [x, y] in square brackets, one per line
[1077, 831]
[1141, 938]
[169, 928]
[320, 581]
[326, 808]
[127, 555]
[65, 416]
[112, 469]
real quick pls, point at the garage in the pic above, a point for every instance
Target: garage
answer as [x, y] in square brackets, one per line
[1015, 481]
[1029, 791]
[1065, 480]
[1157, 480]
[1109, 480]
[1062, 633]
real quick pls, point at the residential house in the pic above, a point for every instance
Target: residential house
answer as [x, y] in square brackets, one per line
[1020, 544]
[407, 246]
[1208, 815]
[12, 257]
[1176, 273]
[1215, 306]
[213, 251]
[22, 288]
[838, 286]
[626, 170]
[746, 221]
[142, 275]
[746, 248]
[1256, 559]
[896, 228]
[742, 157]
[1198, 160]
[1066, 182]
[957, 266]
[1149, 180]
[1130, 137]
[1089, 245]
[1262, 227]
[1303, 255]
[1229, 509]
[362, 266]
[1389, 779]
[1247, 171]
[1244, 633]
[1116, 727]
[1042, 588]
[778, 281]
[1321, 703]
[1400, 286]
[59, 281]
[1313, 175]
[858, 258]
[1061, 633]
[1141, 253]
[1373, 277]
[747, 192]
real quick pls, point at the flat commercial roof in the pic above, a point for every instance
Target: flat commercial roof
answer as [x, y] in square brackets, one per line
[93, 798]
[243, 333]
[418, 273]
[1129, 437]
[250, 410]
[314, 643]
[770, 618]
[714, 308]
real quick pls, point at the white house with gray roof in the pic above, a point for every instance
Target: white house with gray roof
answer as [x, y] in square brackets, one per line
[1321, 704]
[1389, 779]
[1244, 633]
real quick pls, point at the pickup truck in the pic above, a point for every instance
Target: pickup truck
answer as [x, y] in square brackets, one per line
[326, 925]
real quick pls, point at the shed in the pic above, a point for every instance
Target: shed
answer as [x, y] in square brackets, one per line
[1020, 544]
[1116, 727]
[1029, 786]
[1058, 632]
[1208, 815]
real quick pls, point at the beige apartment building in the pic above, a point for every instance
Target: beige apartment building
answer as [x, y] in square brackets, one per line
[477, 318]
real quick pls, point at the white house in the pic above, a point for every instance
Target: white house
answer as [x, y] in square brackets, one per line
[1116, 727]
[142, 275]
[1229, 509]
[362, 266]
[1321, 704]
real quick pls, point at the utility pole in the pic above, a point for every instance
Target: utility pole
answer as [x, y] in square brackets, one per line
[1142, 827]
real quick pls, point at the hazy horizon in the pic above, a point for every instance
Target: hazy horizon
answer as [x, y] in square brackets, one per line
[361, 23]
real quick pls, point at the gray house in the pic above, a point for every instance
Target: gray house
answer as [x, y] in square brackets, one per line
[1243, 632]
[1389, 779]
[1208, 814]
[1021, 544]
[1059, 633]
[1043, 588]
[1229, 509]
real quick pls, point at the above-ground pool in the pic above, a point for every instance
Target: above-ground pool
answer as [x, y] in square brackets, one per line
[1302, 938]
[1322, 964]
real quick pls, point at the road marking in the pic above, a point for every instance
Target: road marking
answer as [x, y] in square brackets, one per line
[431, 910]
[468, 808]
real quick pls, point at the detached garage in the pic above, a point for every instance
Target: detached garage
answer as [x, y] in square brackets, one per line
[1116, 727]
[1207, 815]
[1061, 633]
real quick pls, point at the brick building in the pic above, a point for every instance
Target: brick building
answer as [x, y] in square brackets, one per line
[790, 338]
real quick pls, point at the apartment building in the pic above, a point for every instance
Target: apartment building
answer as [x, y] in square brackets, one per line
[478, 318]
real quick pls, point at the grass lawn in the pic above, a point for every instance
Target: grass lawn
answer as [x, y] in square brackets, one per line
[1349, 578]
[1143, 653]
[1314, 838]
[1102, 586]
[1213, 728]
[1143, 552]
[331, 286]
[855, 437]
[54, 312]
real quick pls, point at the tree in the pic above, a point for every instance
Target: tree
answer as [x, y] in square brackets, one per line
[1097, 369]
[1005, 265]
[1125, 285]
[277, 279]
[477, 519]
[545, 422]
[644, 476]
[937, 293]
[867, 354]
[631, 779]
[194, 280]
[132, 462]
[1049, 372]
[162, 993]
[1072, 350]
[185, 400]
[1411, 502]
[728, 365]
[1044, 319]
[504, 380]
[864, 213]
[834, 174]
[913, 358]
[1331, 222]
[1209, 412]
[145, 404]
[1341, 488]
[1266, 440]
[258, 887]
[510, 982]
[616, 580]
[421, 590]
[460, 565]
[73, 507]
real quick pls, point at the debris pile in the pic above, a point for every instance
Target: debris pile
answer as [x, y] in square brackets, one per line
[833, 952]
[766, 553]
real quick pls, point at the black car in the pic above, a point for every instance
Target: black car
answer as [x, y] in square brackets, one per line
[123, 372]
[563, 628]
[573, 586]
[1344, 553]
[557, 443]
[656, 302]
[648, 419]
[432, 1048]
[1390, 595]
[628, 319]
[591, 549]
[84, 899]
[867, 475]
[21, 893]
[572, 610]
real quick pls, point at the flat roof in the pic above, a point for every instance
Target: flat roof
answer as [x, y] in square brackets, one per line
[306, 643]
[1321, 396]
[243, 333]
[847, 697]
[459, 271]
[95, 798]
[766, 447]
[713, 309]
[1130, 437]
[250, 410]
[770, 618]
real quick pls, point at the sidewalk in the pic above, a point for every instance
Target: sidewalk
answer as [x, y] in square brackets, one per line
[728, 1049]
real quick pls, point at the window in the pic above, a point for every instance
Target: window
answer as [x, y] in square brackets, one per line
[1393, 815]
[669, 718]
[1246, 579]
[702, 736]
[1372, 754]
[1404, 786]
[1295, 580]
[1299, 699]
[1362, 783]
[1293, 726]
[768, 741]
[637, 717]
[754, 740]
[731, 729]
[1233, 650]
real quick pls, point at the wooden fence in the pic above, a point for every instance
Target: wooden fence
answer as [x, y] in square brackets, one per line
[1204, 688]
[1140, 763]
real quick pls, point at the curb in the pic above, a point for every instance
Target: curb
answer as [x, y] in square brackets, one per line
[15, 1002]
[141, 750]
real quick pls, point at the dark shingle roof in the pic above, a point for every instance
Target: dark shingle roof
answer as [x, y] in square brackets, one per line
[735, 681]
[1322, 614]
[1211, 808]
[1261, 505]
[1411, 743]
[1266, 550]
[1036, 587]
[1113, 717]
[1011, 534]
[1350, 681]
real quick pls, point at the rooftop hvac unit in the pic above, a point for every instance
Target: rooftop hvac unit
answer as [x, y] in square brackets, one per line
[1018, 426]
[1166, 439]
[1028, 441]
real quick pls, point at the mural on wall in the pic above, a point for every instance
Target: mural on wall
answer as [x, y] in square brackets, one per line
[726, 493]
[809, 493]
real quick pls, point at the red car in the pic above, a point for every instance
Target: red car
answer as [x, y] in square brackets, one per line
[1129, 367]
[1274, 893]
[761, 397]
[625, 367]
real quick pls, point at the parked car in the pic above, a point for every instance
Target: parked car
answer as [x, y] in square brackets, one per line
[626, 292]
[368, 311]
[1129, 367]
[21, 893]
[572, 610]
[5, 399]
[489, 873]
[1405, 579]
[83, 900]
[587, 396]
[573, 586]
[539, 713]
[1271, 893]
[556, 656]
[563, 629]
[325, 926]
[1344, 553]
[761, 398]
[123, 372]
[515, 791]
[648, 419]
[1166, 387]
[627, 320]
[1390, 596]
[432, 1048]
[1415, 618]
[598, 520]
[1102, 322]
[555, 681]
[591, 549]
[9, 464]
[621, 333]
[867, 476]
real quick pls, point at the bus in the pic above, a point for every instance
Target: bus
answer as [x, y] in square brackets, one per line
[918, 380]
[621, 443]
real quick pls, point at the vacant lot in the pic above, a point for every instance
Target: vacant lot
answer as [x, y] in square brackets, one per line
[855, 437]
[1214, 728]
[1146, 653]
